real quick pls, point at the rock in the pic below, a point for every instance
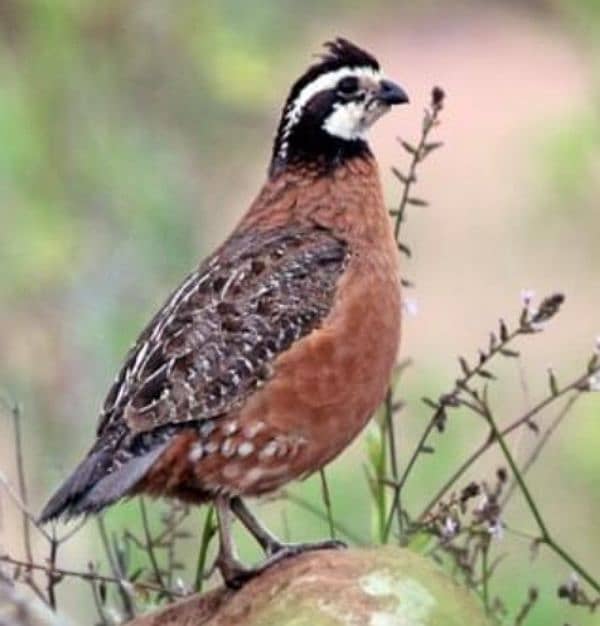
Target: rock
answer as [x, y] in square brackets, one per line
[375, 587]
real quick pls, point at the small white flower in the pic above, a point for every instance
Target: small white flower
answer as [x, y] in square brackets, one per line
[573, 581]
[496, 530]
[537, 326]
[594, 382]
[483, 502]
[411, 306]
[527, 297]
[181, 587]
[450, 528]
[597, 348]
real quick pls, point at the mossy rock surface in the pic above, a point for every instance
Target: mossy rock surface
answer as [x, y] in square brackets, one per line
[375, 587]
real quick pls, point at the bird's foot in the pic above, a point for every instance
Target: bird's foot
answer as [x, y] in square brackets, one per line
[236, 574]
[292, 549]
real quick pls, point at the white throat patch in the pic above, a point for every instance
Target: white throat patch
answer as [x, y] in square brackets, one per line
[342, 116]
[350, 120]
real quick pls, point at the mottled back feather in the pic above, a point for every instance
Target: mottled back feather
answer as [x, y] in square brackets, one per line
[212, 343]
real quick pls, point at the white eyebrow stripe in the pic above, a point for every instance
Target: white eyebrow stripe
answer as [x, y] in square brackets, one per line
[321, 83]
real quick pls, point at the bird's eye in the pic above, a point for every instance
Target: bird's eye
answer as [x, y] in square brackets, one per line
[348, 86]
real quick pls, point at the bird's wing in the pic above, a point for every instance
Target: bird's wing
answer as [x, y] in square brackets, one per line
[204, 352]
[213, 341]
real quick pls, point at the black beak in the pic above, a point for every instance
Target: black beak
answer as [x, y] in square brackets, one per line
[390, 93]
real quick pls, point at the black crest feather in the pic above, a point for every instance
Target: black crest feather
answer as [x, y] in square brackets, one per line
[342, 52]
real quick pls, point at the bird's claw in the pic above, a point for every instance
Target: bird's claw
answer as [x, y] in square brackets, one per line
[236, 575]
[292, 549]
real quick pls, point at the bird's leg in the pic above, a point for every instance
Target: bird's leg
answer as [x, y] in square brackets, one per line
[233, 571]
[269, 543]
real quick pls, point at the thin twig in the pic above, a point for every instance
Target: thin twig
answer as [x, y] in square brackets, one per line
[396, 503]
[52, 576]
[452, 400]
[16, 415]
[119, 575]
[485, 548]
[532, 598]
[172, 520]
[175, 522]
[311, 508]
[574, 386]
[149, 547]
[70, 533]
[327, 502]
[545, 537]
[208, 532]
[98, 602]
[418, 153]
[143, 586]
[22, 508]
[542, 441]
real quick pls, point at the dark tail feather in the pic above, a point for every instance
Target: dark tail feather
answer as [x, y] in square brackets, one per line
[92, 486]
[118, 483]
[85, 475]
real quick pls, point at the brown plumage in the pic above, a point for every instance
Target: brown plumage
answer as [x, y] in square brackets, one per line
[271, 357]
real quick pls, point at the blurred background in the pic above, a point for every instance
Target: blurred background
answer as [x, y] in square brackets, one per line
[134, 133]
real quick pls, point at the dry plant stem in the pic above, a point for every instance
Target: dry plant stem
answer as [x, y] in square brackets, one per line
[430, 120]
[161, 537]
[396, 502]
[70, 533]
[163, 542]
[378, 477]
[208, 532]
[52, 576]
[149, 547]
[16, 415]
[116, 570]
[327, 502]
[98, 603]
[532, 598]
[520, 533]
[485, 577]
[542, 441]
[545, 537]
[307, 506]
[171, 524]
[20, 501]
[90, 576]
[526, 418]
[418, 154]
[446, 401]
[23, 507]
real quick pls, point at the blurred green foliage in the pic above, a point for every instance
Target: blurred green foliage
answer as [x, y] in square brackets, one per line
[570, 163]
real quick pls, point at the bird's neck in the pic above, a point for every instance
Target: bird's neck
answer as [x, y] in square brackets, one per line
[347, 199]
[316, 151]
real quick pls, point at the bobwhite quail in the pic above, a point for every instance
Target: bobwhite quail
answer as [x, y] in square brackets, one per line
[270, 358]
